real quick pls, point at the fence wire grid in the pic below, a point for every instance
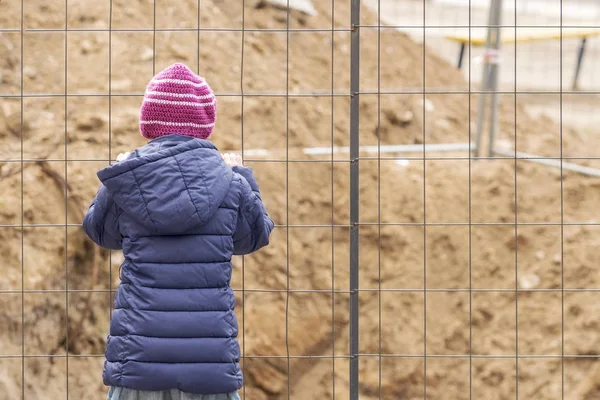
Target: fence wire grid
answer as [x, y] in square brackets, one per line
[437, 272]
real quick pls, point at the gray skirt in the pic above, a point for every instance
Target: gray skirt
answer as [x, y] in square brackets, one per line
[119, 393]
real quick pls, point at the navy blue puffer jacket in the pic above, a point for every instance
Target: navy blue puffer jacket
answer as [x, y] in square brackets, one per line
[179, 213]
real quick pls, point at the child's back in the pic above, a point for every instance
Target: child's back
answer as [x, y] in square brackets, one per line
[179, 213]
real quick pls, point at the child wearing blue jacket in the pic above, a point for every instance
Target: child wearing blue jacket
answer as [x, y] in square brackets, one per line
[179, 210]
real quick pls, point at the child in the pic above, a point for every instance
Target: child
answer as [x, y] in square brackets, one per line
[179, 210]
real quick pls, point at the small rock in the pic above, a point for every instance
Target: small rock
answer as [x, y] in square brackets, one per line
[557, 259]
[86, 47]
[403, 119]
[406, 117]
[90, 122]
[29, 72]
[529, 281]
[429, 107]
[419, 103]
[147, 54]
[517, 243]
[540, 255]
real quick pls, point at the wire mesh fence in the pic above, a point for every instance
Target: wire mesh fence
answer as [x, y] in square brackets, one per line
[402, 265]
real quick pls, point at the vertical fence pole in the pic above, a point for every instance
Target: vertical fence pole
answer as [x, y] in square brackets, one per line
[496, 18]
[354, 193]
[486, 73]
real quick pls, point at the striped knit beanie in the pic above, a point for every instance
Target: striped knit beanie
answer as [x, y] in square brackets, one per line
[177, 101]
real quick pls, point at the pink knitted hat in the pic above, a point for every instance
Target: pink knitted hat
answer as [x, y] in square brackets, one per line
[178, 101]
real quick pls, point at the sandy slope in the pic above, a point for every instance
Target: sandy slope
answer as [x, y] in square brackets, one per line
[435, 191]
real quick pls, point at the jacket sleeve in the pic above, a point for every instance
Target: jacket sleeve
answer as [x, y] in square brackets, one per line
[253, 224]
[101, 222]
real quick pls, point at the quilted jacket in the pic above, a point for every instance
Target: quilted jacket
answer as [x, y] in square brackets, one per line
[179, 214]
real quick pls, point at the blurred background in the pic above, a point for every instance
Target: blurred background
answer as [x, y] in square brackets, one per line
[478, 277]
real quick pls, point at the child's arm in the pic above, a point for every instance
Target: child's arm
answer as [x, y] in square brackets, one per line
[253, 225]
[101, 222]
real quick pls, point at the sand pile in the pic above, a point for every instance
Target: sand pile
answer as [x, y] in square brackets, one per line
[441, 192]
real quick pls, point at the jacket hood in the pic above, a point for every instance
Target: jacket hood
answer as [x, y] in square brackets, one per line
[171, 185]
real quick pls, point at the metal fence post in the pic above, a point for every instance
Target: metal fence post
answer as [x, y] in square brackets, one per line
[354, 193]
[496, 18]
[489, 70]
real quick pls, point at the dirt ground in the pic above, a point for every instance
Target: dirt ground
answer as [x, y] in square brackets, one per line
[554, 245]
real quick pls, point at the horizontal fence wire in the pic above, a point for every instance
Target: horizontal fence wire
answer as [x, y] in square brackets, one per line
[364, 355]
[341, 161]
[294, 30]
[340, 291]
[431, 91]
[348, 226]
[348, 357]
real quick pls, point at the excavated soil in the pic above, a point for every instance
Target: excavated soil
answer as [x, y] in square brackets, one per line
[401, 256]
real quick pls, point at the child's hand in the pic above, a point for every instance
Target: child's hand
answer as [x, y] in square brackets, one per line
[232, 159]
[123, 156]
